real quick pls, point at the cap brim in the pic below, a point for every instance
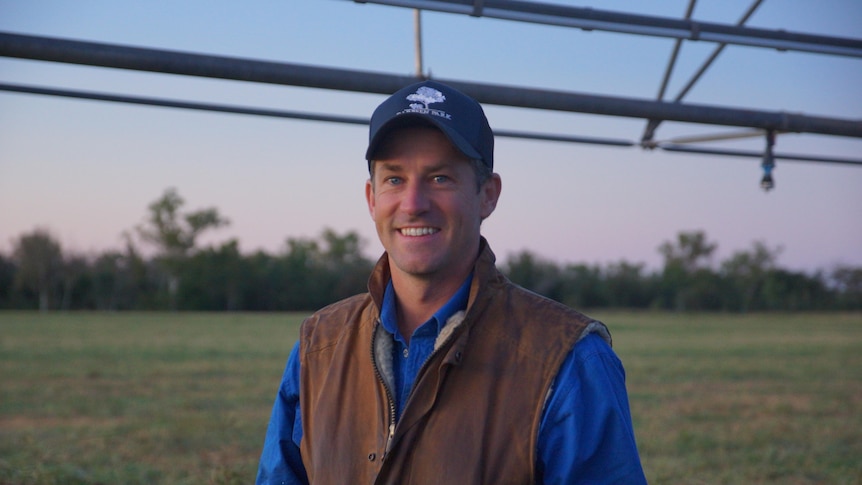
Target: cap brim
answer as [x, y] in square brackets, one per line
[417, 119]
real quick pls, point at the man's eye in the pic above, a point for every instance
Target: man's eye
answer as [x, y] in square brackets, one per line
[440, 179]
[394, 180]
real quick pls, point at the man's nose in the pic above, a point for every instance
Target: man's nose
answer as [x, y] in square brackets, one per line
[415, 200]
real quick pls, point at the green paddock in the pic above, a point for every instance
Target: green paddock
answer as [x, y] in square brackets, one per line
[184, 398]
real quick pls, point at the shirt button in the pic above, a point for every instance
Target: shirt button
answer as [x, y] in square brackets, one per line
[406, 353]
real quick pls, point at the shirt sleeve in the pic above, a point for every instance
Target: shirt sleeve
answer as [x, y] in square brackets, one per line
[586, 434]
[280, 461]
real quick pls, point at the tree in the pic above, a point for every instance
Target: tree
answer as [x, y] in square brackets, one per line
[687, 281]
[213, 279]
[107, 278]
[794, 291]
[318, 273]
[302, 280]
[342, 260]
[175, 235]
[583, 286]
[535, 274]
[76, 279]
[7, 282]
[39, 259]
[266, 287]
[848, 283]
[746, 273]
[691, 252]
[626, 286]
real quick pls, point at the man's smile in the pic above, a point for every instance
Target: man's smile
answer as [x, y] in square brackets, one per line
[418, 231]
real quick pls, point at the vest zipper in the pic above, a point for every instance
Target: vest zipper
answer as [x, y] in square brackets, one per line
[389, 439]
[389, 397]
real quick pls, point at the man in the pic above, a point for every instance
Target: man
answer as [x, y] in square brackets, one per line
[445, 372]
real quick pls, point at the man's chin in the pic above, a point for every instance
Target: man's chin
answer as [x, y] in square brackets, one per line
[415, 266]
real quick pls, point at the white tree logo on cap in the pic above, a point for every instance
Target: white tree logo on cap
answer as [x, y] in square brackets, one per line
[423, 97]
[426, 96]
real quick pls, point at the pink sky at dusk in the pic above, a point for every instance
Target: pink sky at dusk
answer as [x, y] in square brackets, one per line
[87, 170]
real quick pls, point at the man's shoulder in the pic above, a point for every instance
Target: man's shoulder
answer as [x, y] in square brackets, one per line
[541, 307]
[327, 325]
[348, 305]
[528, 311]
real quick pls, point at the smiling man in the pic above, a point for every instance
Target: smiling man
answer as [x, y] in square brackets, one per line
[445, 371]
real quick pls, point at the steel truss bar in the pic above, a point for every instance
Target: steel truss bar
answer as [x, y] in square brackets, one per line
[220, 108]
[680, 140]
[591, 19]
[200, 65]
[364, 121]
[168, 103]
[564, 138]
[652, 125]
[755, 154]
[649, 129]
[672, 61]
[172, 62]
[720, 47]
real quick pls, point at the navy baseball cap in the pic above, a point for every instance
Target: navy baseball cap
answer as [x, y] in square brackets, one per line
[457, 115]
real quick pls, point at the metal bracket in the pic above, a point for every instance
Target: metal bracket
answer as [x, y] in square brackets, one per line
[478, 6]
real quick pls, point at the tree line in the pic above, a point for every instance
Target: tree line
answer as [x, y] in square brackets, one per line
[308, 274]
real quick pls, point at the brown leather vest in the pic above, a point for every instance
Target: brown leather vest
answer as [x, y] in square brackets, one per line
[474, 412]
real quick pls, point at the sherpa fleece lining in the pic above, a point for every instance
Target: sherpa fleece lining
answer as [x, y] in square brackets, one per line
[384, 343]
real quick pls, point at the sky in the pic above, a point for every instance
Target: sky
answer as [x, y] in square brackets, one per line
[87, 170]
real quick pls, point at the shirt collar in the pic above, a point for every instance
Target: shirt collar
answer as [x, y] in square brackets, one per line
[458, 302]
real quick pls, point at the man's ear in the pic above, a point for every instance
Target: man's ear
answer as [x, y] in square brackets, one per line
[490, 193]
[369, 197]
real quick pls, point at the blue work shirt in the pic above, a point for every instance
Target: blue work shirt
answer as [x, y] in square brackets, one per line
[585, 436]
[408, 359]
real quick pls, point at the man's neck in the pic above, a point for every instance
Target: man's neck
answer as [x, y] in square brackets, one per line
[417, 299]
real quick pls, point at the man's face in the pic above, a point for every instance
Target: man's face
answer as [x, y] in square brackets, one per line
[425, 204]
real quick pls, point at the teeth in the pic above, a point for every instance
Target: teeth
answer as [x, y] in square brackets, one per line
[418, 231]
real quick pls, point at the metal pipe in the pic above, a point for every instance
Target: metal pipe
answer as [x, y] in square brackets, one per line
[152, 60]
[417, 26]
[364, 121]
[201, 65]
[219, 108]
[756, 154]
[591, 19]
[169, 103]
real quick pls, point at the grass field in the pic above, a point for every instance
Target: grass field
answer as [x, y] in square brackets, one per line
[104, 398]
